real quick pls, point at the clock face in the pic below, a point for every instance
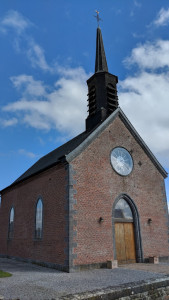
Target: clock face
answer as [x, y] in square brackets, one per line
[121, 161]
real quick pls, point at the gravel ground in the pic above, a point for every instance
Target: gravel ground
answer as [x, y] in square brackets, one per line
[34, 282]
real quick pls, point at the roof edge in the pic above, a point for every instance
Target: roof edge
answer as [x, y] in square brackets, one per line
[138, 138]
[100, 129]
[92, 136]
[13, 184]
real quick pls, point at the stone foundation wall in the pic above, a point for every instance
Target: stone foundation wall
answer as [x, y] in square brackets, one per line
[150, 290]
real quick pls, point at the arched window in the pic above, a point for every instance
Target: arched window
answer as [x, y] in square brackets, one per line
[123, 210]
[39, 219]
[11, 223]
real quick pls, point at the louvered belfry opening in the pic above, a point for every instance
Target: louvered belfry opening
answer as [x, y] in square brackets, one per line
[112, 98]
[92, 101]
[102, 91]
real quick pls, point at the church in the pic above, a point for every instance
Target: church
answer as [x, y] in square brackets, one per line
[99, 198]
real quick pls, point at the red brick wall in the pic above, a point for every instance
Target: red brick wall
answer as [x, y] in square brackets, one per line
[51, 186]
[98, 185]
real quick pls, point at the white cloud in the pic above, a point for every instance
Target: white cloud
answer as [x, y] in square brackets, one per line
[14, 20]
[36, 56]
[63, 107]
[9, 122]
[27, 153]
[28, 85]
[144, 96]
[137, 3]
[145, 101]
[23, 41]
[162, 18]
[150, 55]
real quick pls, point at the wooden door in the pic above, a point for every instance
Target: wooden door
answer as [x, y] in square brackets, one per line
[125, 243]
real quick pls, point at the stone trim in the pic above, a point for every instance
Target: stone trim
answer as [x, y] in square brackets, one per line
[137, 230]
[66, 250]
[78, 268]
[140, 141]
[129, 126]
[163, 259]
[164, 199]
[37, 262]
[71, 223]
[91, 137]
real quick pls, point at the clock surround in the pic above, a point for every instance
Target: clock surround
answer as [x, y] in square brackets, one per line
[121, 161]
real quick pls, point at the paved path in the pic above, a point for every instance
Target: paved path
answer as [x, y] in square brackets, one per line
[162, 268]
[34, 282]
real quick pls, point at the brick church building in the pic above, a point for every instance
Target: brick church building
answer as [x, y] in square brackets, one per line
[100, 197]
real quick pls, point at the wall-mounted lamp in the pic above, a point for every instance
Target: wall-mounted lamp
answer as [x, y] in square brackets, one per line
[101, 220]
[149, 221]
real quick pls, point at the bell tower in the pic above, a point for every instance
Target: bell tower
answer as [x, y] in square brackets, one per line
[102, 91]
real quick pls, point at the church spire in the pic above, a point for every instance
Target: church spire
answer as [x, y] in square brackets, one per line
[100, 62]
[102, 91]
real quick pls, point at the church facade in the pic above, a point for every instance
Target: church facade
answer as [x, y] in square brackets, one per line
[100, 197]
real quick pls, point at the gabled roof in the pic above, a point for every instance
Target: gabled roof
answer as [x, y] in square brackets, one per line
[53, 157]
[68, 151]
[102, 126]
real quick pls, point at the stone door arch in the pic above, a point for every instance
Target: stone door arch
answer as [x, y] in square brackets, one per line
[125, 223]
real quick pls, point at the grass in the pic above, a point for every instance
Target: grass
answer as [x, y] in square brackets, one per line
[4, 274]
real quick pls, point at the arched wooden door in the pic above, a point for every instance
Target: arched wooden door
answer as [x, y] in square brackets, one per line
[124, 233]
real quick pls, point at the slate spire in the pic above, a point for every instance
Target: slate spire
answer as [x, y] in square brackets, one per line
[100, 62]
[102, 91]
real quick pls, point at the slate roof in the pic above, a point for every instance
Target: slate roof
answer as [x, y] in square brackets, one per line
[53, 157]
[68, 151]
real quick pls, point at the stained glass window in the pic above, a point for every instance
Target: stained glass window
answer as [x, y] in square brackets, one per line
[39, 219]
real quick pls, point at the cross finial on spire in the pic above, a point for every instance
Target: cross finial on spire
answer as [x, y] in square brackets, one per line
[97, 17]
[102, 91]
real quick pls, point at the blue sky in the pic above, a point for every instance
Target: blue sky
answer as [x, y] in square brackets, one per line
[48, 52]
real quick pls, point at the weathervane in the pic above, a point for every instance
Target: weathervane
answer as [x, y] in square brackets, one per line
[98, 18]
